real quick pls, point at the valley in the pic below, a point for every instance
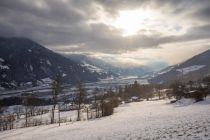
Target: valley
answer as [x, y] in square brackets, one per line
[45, 91]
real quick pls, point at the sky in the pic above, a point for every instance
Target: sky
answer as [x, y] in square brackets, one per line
[123, 32]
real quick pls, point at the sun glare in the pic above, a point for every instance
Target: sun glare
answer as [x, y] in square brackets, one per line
[131, 21]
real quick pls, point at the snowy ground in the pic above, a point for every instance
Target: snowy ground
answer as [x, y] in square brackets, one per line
[142, 120]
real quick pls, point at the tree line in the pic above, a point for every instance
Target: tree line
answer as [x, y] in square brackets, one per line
[198, 90]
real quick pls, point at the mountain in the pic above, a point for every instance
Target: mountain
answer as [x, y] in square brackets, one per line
[95, 64]
[193, 69]
[25, 62]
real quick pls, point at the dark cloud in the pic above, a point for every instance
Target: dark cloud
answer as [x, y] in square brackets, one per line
[194, 33]
[61, 24]
[202, 14]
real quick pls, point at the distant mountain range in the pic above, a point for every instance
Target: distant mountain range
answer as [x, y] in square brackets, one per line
[193, 69]
[24, 62]
[95, 64]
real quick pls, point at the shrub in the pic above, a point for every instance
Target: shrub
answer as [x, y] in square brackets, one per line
[108, 109]
[109, 105]
[197, 95]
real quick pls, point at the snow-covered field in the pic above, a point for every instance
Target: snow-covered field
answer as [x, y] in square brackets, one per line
[142, 120]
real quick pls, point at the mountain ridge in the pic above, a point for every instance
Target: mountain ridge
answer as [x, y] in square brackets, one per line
[194, 68]
[25, 61]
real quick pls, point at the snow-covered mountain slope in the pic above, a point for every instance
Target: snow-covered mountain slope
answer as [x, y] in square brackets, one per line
[189, 69]
[136, 121]
[24, 62]
[104, 67]
[93, 68]
[193, 69]
[93, 64]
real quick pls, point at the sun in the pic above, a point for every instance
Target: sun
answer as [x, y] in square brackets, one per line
[131, 21]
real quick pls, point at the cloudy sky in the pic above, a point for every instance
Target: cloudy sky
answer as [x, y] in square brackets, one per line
[128, 32]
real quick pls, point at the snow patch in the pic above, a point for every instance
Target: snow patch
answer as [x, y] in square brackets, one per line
[190, 69]
[47, 80]
[13, 83]
[1, 60]
[185, 102]
[3, 66]
[28, 84]
[39, 82]
[48, 62]
[165, 71]
[143, 82]
[93, 68]
[31, 67]
[63, 75]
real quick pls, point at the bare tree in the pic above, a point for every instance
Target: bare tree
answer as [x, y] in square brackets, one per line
[11, 119]
[95, 104]
[102, 103]
[80, 96]
[25, 103]
[26, 116]
[56, 90]
[87, 110]
[59, 116]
